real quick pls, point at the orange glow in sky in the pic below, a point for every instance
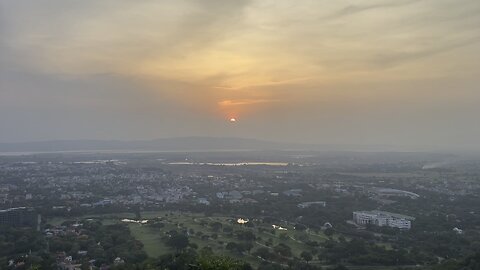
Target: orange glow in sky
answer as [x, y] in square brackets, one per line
[370, 72]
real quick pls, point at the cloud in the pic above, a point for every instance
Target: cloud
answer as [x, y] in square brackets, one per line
[195, 41]
[174, 67]
[266, 84]
[354, 9]
[393, 58]
[243, 102]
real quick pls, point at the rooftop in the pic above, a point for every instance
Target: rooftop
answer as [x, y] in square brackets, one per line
[385, 213]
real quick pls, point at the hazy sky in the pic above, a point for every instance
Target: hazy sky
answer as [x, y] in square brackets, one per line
[399, 72]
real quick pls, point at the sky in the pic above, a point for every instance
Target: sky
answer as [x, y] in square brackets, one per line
[370, 72]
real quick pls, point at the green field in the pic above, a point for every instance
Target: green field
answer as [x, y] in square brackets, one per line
[216, 240]
[151, 240]
[155, 246]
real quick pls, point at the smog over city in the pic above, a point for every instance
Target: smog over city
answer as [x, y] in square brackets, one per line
[240, 134]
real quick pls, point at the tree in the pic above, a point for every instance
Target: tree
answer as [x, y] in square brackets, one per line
[221, 263]
[307, 256]
[239, 247]
[312, 243]
[34, 267]
[216, 226]
[247, 247]
[283, 250]
[300, 227]
[178, 241]
[246, 235]
[231, 246]
[340, 267]
[329, 232]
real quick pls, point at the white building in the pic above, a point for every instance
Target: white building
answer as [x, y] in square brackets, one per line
[203, 201]
[404, 224]
[308, 204]
[382, 218]
[457, 230]
[395, 192]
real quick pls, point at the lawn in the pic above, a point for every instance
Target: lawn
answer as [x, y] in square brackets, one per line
[151, 239]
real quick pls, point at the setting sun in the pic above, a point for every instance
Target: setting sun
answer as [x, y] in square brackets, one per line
[240, 134]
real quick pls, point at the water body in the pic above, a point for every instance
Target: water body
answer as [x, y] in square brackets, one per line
[232, 164]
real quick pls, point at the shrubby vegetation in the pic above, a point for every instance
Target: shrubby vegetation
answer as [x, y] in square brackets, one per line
[24, 246]
[190, 260]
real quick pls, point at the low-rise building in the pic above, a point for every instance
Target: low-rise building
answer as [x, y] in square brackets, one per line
[308, 204]
[203, 201]
[382, 218]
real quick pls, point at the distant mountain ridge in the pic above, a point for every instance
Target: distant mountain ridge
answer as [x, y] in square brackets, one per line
[192, 144]
[166, 144]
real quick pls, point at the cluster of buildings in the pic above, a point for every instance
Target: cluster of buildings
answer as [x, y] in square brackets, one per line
[73, 260]
[235, 196]
[382, 218]
[71, 185]
[293, 192]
